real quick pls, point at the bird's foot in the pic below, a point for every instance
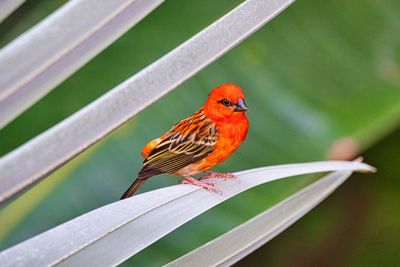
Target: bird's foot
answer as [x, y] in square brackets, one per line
[206, 185]
[225, 176]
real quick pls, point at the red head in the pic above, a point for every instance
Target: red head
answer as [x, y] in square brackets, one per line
[225, 102]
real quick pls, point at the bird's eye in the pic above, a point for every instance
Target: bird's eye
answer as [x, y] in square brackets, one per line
[226, 102]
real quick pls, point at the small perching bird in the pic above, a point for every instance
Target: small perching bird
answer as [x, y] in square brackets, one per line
[199, 142]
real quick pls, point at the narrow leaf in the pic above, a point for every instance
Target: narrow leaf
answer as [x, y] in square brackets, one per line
[47, 54]
[244, 239]
[111, 234]
[8, 6]
[32, 161]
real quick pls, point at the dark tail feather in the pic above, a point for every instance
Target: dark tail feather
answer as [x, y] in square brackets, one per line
[134, 187]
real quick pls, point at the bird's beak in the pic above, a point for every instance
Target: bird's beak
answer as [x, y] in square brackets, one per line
[240, 106]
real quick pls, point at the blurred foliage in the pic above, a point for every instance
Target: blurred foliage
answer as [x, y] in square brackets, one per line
[320, 74]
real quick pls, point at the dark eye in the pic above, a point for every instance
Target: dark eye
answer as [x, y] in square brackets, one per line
[225, 102]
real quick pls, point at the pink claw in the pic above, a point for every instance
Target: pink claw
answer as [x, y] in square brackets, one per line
[206, 185]
[225, 176]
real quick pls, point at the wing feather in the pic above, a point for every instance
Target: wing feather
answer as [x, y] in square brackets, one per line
[187, 142]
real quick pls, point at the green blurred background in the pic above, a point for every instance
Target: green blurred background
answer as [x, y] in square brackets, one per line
[322, 81]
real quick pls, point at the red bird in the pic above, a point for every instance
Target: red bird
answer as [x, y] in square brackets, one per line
[199, 142]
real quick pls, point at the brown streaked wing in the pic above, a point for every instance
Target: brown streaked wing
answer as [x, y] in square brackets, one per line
[189, 141]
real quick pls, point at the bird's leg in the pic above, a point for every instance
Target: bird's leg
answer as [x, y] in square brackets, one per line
[207, 185]
[225, 176]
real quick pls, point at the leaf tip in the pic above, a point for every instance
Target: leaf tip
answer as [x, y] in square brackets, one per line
[367, 169]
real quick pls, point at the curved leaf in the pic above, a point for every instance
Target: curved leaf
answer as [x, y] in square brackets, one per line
[113, 233]
[249, 236]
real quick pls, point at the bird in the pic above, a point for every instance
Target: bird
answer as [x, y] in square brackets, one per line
[196, 144]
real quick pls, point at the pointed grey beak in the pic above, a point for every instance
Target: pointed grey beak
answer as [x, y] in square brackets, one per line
[240, 106]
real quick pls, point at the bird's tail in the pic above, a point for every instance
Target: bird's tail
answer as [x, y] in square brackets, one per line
[134, 187]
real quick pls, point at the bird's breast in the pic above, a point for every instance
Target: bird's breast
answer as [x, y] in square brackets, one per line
[230, 136]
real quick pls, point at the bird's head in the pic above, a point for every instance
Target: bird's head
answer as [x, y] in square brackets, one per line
[225, 102]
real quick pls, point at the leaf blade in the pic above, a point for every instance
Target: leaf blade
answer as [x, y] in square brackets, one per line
[9, 6]
[234, 245]
[38, 60]
[128, 226]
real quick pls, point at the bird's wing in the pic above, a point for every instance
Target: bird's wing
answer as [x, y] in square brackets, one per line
[187, 142]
